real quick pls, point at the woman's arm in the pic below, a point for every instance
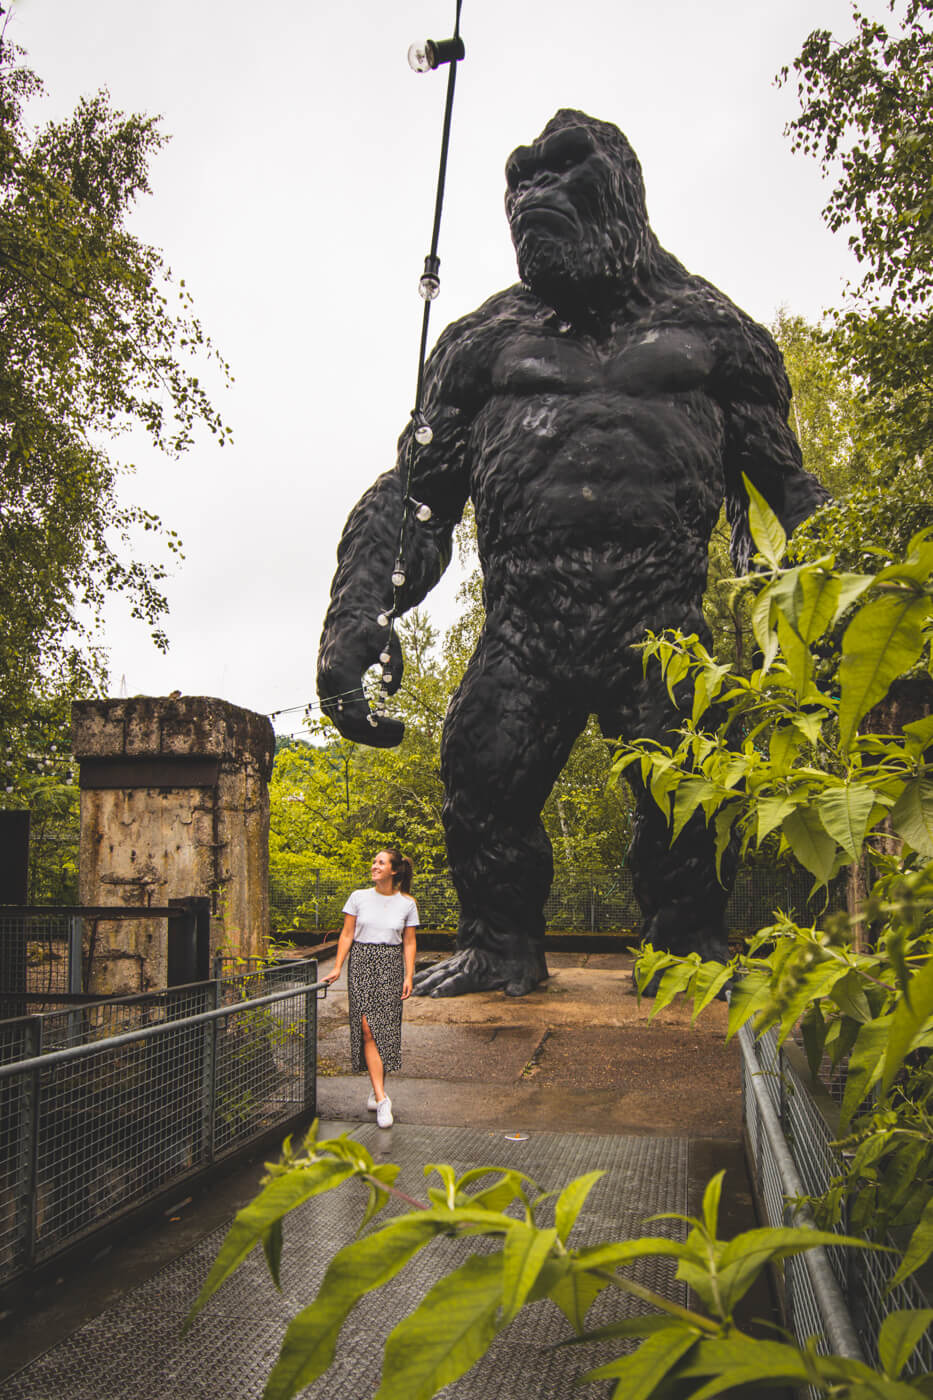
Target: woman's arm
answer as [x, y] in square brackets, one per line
[409, 945]
[344, 944]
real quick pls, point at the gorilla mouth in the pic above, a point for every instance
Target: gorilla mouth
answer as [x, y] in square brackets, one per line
[541, 212]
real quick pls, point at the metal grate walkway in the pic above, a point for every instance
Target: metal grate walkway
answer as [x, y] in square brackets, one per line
[134, 1351]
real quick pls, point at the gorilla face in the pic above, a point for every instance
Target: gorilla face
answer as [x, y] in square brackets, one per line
[575, 202]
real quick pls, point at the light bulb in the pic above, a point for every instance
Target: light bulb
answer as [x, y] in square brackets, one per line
[424, 434]
[429, 286]
[398, 575]
[387, 676]
[372, 720]
[385, 658]
[383, 620]
[424, 514]
[419, 56]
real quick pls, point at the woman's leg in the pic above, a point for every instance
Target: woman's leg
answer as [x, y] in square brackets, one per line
[373, 1062]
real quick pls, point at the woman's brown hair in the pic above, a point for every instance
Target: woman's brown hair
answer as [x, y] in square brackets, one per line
[402, 869]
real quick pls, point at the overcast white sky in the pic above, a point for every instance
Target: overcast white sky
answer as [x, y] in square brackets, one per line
[296, 196]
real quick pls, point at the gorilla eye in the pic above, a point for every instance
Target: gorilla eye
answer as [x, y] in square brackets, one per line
[520, 166]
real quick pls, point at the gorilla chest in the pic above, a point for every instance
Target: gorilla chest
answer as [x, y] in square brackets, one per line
[632, 365]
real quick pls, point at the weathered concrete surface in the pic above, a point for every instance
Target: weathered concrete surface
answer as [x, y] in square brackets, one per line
[580, 1054]
[174, 803]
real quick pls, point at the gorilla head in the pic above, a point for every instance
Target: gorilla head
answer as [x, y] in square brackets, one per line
[575, 201]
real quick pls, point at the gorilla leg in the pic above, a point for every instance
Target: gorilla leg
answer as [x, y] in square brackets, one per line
[506, 739]
[681, 900]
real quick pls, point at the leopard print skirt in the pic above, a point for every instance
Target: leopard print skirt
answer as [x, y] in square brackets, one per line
[375, 974]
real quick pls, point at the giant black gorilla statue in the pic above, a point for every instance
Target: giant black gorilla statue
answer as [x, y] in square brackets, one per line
[597, 414]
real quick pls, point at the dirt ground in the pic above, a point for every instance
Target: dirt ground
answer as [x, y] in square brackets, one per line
[579, 1054]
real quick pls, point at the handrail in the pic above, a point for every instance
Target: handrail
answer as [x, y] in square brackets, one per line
[75, 1052]
[840, 1329]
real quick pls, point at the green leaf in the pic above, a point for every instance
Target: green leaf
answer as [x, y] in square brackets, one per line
[919, 1248]
[765, 528]
[641, 1374]
[899, 1335]
[783, 748]
[272, 1248]
[570, 1202]
[771, 811]
[575, 1294]
[252, 1224]
[743, 1258]
[866, 1059]
[912, 816]
[737, 1360]
[447, 1333]
[882, 641]
[911, 1014]
[711, 1198]
[311, 1337]
[810, 843]
[845, 813]
[525, 1253]
[690, 793]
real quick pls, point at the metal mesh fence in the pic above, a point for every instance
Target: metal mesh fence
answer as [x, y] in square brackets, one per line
[35, 952]
[90, 1132]
[862, 1275]
[81, 1020]
[589, 901]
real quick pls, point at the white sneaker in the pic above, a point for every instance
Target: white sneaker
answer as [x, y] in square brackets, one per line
[384, 1113]
[372, 1102]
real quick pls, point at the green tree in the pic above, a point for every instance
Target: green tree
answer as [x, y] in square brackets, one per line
[94, 339]
[867, 115]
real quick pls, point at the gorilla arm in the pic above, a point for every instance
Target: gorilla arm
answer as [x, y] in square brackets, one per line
[352, 639]
[760, 444]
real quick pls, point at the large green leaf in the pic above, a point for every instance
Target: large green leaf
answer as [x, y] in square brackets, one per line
[898, 1337]
[882, 641]
[845, 813]
[642, 1373]
[866, 1060]
[771, 811]
[810, 843]
[742, 1259]
[525, 1253]
[910, 1017]
[570, 1202]
[737, 1360]
[447, 1333]
[919, 1248]
[765, 528]
[575, 1294]
[311, 1337]
[912, 816]
[255, 1221]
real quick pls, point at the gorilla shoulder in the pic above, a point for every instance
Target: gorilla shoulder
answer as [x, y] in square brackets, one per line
[466, 349]
[749, 365]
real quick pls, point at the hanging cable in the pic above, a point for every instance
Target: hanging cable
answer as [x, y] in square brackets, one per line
[423, 58]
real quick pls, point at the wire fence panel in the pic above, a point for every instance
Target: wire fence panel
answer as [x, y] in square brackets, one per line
[80, 1020]
[586, 901]
[91, 1131]
[808, 1120]
[34, 952]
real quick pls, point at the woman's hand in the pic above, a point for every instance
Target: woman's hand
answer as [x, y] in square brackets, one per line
[406, 988]
[331, 976]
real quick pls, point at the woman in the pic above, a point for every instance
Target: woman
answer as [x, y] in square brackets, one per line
[378, 935]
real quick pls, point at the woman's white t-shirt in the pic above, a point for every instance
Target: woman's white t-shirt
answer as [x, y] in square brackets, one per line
[381, 918]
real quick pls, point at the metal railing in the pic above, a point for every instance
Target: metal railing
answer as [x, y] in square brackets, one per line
[96, 1129]
[78, 1019]
[838, 1296]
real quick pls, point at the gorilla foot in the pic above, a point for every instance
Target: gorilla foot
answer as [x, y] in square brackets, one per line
[476, 970]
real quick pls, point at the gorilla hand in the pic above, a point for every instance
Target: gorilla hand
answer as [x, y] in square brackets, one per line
[342, 664]
[479, 970]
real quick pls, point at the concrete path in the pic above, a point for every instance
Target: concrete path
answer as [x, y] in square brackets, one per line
[577, 1067]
